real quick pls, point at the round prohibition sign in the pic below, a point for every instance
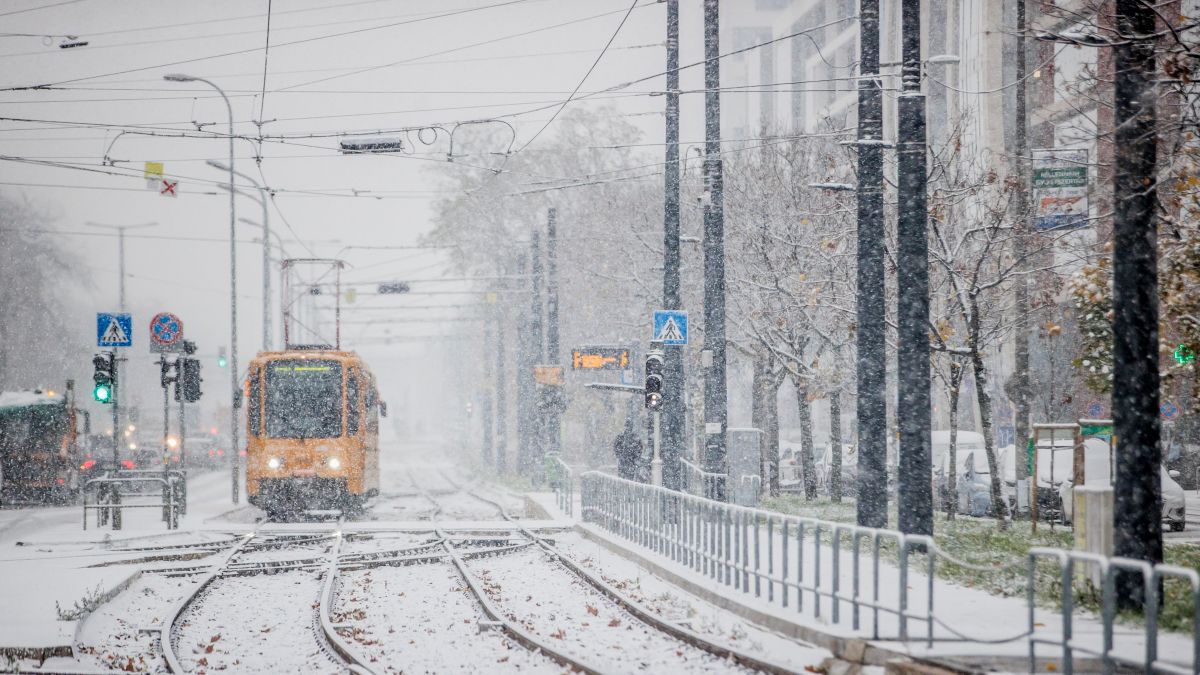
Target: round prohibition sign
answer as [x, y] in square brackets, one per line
[166, 328]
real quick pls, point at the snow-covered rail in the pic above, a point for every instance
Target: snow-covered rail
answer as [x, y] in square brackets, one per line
[636, 610]
[324, 631]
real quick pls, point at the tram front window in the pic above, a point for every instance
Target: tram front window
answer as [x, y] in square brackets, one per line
[304, 399]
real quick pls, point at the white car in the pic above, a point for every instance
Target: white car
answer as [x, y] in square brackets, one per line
[1174, 512]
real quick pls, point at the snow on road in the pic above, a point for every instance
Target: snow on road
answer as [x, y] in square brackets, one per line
[556, 604]
[422, 619]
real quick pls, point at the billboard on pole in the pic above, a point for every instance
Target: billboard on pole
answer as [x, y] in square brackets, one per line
[1060, 188]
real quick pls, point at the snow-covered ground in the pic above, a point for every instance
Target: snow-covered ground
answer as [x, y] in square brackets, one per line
[398, 602]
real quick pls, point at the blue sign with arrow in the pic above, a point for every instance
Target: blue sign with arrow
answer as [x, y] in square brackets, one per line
[114, 330]
[670, 327]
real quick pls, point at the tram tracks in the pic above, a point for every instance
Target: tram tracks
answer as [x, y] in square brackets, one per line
[635, 609]
[189, 608]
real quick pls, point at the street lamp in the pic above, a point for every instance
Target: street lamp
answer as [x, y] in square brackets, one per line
[266, 259]
[235, 386]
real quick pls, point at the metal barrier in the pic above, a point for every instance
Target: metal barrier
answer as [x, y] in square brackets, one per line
[802, 562]
[768, 554]
[697, 481]
[1152, 577]
[109, 502]
[564, 485]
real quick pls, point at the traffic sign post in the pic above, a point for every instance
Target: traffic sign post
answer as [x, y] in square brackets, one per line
[166, 333]
[114, 330]
[670, 327]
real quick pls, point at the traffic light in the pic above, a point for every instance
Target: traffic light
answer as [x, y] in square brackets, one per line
[103, 376]
[221, 360]
[654, 380]
[189, 380]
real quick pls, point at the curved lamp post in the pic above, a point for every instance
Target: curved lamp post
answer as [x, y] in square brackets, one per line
[235, 385]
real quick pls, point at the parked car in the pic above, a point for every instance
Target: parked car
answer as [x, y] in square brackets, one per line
[1174, 509]
[973, 484]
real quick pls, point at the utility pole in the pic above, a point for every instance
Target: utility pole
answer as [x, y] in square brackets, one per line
[1021, 393]
[872, 348]
[912, 274]
[1137, 507]
[501, 398]
[486, 404]
[525, 389]
[553, 416]
[715, 413]
[674, 413]
[118, 360]
[532, 455]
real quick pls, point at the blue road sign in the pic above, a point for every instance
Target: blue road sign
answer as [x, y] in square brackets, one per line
[1095, 410]
[166, 333]
[670, 327]
[1168, 410]
[114, 330]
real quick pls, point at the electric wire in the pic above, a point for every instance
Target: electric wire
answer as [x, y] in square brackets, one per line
[255, 49]
[595, 63]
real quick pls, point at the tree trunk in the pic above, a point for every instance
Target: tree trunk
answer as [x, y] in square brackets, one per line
[952, 480]
[835, 445]
[806, 439]
[772, 431]
[999, 506]
[758, 414]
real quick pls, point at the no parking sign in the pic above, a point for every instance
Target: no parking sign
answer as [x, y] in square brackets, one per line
[166, 333]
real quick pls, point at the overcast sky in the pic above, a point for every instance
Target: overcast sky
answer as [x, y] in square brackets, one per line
[332, 67]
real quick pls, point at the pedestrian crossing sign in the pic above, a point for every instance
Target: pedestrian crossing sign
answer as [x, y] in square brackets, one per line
[670, 327]
[114, 330]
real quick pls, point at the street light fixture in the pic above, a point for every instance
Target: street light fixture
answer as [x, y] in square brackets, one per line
[235, 385]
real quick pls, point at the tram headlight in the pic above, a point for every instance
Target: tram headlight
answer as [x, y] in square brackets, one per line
[274, 463]
[335, 463]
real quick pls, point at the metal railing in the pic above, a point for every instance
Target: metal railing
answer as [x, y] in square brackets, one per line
[1111, 655]
[864, 579]
[698, 481]
[563, 482]
[789, 560]
[109, 502]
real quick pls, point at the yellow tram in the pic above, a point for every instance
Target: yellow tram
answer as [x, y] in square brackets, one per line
[312, 439]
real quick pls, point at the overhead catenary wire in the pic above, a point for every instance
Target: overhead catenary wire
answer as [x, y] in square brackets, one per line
[255, 49]
[590, 69]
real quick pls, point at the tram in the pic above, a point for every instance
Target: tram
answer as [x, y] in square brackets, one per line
[312, 431]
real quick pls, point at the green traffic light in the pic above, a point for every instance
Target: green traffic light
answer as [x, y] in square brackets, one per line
[1184, 354]
[221, 361]
[102, 393]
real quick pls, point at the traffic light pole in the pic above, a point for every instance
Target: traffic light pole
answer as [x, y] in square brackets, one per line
[165, 380]
[715, 413]
[116, 387]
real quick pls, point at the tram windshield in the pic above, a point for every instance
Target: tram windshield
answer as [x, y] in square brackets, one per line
[304, 399]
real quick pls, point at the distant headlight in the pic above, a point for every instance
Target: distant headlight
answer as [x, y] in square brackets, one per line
[335, 463]
[274, 463]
